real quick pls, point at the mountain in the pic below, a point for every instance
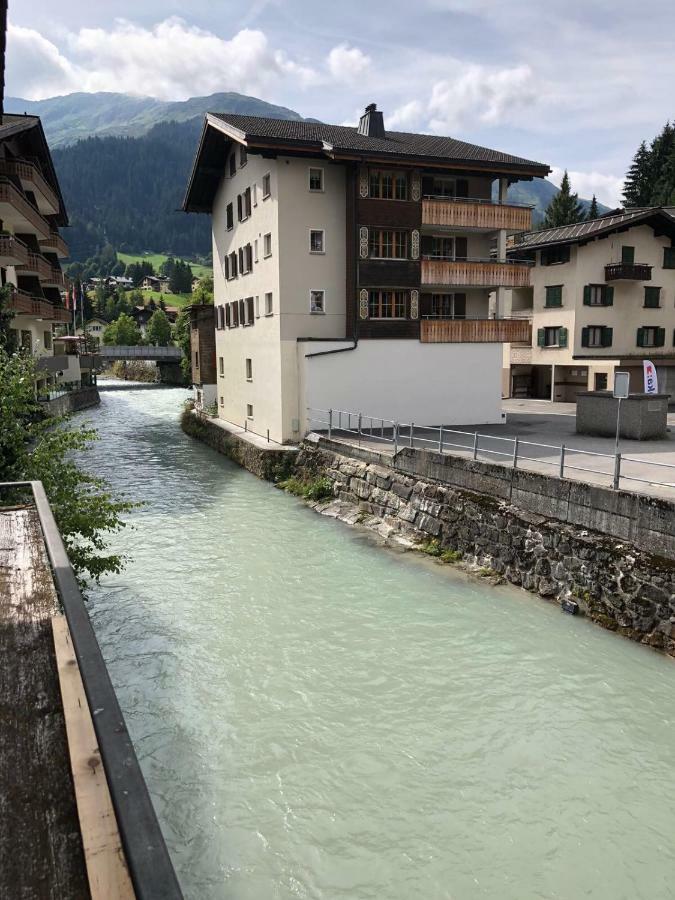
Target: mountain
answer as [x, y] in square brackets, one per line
[71, 117]
[539, 193]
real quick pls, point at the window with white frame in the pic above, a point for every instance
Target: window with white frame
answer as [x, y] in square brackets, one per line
[317, 302]
[269, 307]
[315, 178]
[249, 369]
[257, 306]
[249, 410]
[266, 186]
[316, 240]
[255, 193]
[255, 249]
[267, 244]
[221, 366]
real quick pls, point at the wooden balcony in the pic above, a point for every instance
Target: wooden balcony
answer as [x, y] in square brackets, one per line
[479, 215]
[32, 179]
[35, 265]
[23, 303]
[15, 210]
[628, 272]
[54, 278]
[55, 244]
[13, 252]
[474, 273]
[475, 331]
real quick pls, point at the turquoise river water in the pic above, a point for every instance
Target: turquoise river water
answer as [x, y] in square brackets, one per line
[318, 717]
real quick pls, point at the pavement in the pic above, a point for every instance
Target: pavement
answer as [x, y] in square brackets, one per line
[542, 428]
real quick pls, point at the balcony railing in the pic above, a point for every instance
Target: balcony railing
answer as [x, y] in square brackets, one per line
[32, 178]
[474, 331]
[451, 212]
[52, 364]
[13, 252]
[54, 278]
[23, 303]
[35, 265]
[475, 272]
[628, 272]
[15, 208]
[55, 244]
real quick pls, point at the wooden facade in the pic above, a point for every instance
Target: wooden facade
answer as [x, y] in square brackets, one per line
[453, 213]
[474, 331]
[475, 273]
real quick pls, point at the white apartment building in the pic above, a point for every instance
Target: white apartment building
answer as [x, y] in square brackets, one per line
[353, 270]
[602, 297]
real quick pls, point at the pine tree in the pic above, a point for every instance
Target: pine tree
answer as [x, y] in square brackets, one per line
[637, 188]
[593, 209]
[565, 208]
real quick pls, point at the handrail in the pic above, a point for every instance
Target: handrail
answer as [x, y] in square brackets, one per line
[479, 259]
[483, 200]
[145, 851]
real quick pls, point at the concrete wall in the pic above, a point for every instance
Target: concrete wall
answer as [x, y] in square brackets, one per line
[71, 402]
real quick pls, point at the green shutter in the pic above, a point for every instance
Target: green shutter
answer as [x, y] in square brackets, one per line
[652, 297]
[541, 337]
[554, 295]
[640, 337]
[669, 257]
[587, 295]
[562, 337]
[607, 334]
[608, 295]
[628, 254]
[660, 337]
[584, 337]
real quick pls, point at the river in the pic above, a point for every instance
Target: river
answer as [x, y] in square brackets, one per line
[318, 717]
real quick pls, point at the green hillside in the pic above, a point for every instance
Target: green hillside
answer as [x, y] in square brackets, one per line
[158, 258]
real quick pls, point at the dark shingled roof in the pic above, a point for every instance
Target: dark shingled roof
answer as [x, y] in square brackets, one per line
[346, 139]
[572, 234]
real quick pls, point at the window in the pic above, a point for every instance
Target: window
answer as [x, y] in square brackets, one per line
[229, 215]
[242, 311]
[445, 247]
[255, 194]
[257, 306]
[387, 304]
[269, 310]
[596, 336]
[315, 179]
[48, 340]
[598, 295]
[317, 302]
[600, 381]
[448, 306]
[249, 369]
[196, 359]
[552, 337]
[652, 297]
[651, 336]
[553, 256]
[255, 249]
[219, 310]
[316, 240]
[388, 185]
[221, 366]
[247, 202]
[233, 164]
[628, 255]
[669, 257]
[266, 186]
[240, 208]
[449, 187]
[222, 400]
[27, 341]
[228, 315]
[249, 410]
[267, 244]
[386, 244]
[245, 259]
[233, 265]
[242, 156]
[234, 313]
[249, 306]
[553, 295]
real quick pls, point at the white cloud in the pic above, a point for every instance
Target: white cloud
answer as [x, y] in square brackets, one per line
[490, 96]
[407, 117]
[607, 188]
[172, 61]
[347, 63]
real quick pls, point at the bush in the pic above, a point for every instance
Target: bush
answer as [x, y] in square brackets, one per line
[316, 490]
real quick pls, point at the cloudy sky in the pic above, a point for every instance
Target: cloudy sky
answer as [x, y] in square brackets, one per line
[574, 83]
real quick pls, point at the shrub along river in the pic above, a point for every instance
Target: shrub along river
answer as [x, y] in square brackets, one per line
[321, 718]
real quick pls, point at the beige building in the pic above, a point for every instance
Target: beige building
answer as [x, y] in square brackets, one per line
[601, 297]
[353, 269]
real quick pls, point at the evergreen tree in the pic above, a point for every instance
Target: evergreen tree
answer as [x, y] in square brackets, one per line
[637, 187]
[593, 209]
[564, 208]
[159, 329]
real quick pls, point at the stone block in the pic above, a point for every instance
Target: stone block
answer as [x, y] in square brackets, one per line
[429, 525]
[360, 487]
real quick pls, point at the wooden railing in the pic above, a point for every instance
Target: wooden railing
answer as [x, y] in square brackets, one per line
[28, 172]
[35, 264]
[455, 213]
[29, 219]
[12, 251]
[475, 273]
[474, 331]
[24, 303]
[54, 277]
[628, 272]
[55, 244]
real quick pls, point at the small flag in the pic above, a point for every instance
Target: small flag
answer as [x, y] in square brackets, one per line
[651, 378]
[67, 300]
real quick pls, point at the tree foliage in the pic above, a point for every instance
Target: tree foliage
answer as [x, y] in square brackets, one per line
[158, 331]
[203, 293]
[122, 332]
[593, 212]
[564, 208]
[181, 337]
[650, 180]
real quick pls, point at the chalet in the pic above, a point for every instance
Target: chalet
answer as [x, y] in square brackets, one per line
[353, 269]
[601, 297]
[156, 283]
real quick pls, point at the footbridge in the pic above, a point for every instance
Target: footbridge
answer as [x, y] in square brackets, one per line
[112, 352]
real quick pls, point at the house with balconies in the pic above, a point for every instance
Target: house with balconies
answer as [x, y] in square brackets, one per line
[357, 269]
[601, 297]
[31, 248]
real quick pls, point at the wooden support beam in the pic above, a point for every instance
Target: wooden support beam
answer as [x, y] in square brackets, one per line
[106, 866]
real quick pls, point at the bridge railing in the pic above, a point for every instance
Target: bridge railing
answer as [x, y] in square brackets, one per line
[144, 351]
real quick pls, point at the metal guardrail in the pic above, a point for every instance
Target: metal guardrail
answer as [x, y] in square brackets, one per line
[439, 438]
[144, 351]
[146, 854]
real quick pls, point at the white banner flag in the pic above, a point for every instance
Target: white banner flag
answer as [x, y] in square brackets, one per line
[651, 380]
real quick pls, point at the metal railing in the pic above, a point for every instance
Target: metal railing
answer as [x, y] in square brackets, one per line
[512, 450]
[145, 851]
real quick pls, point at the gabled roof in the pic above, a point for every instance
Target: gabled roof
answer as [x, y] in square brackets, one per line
[659, 218]
[337, 142]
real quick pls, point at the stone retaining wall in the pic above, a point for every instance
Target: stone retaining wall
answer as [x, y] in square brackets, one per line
[73, 401]
[549, 550]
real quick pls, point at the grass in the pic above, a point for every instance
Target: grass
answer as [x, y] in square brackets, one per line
[158, 258]
[319, 489]
[179, 300]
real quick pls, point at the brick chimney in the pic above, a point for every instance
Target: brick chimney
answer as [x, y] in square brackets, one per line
[371, 123]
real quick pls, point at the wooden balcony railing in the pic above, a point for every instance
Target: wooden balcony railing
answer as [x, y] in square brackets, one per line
[452, 213]
[55, 244]
[32, 178]
[54, 278]
[628, 272]
[15, 208]
[24, 303]
[475, 331]
[475, 273]
[35, 265]
[13, 252]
